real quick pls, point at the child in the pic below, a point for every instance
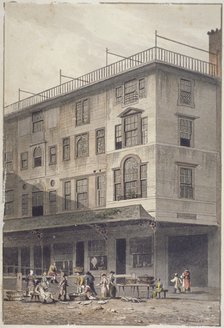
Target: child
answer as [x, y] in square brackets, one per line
[177, 283]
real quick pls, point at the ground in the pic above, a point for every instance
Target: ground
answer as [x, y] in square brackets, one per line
[194, 309]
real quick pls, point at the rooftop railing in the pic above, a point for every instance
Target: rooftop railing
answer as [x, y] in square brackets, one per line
[154, 54]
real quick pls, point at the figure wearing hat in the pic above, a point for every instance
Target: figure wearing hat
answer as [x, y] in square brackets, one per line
[104, 286]
[112, 285]
[177, 283]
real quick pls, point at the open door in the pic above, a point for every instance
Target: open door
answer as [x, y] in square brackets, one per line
[120, 256]
[80, 254]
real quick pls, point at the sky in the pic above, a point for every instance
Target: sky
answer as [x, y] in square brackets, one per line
[41, 39]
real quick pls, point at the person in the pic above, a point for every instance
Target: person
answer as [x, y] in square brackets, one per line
[79, 282]
[44, 280]
[186, 281]
[104, 286]
[30, 283]
[177, 283]
[41, 290]
[63, 284]
[112, 285]
[158, 288]
[52, 272]
[89, 281]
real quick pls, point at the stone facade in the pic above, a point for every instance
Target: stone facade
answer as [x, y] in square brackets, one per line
[149, 136]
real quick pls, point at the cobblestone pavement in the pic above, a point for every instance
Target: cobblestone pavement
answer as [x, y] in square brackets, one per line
[180, 310]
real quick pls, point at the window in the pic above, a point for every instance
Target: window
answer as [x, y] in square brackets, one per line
[96, 252]
[37, 157]
[24, 161]
[118, 137]
[100, 141]
[25, 203]
[52, 201]
[100, 191]
[9, 202]
[37, 119]
[82, 193]
[141, 251]
[37, 203]
[130, 92]
[130, 178]
[67, 195]
[130, 181]
[66, 149]
[119, 94]
[185, 132]
[143, 178]
[186, 92]
[52, 155]
[82, 145]
[186, 188]
[133, 130]
[117, 184]
[8, 161]
[82, 112]
[144, 130]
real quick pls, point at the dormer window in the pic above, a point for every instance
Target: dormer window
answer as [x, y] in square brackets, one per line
[130, 91]
[133, 129]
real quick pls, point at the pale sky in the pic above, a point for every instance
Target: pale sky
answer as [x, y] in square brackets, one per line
[40, 39]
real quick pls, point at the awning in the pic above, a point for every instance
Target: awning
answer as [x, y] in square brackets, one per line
[125, 214]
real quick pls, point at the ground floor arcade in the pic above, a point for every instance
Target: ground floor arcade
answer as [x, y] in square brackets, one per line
[126, 241]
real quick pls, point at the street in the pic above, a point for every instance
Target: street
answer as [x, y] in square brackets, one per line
[192, 309]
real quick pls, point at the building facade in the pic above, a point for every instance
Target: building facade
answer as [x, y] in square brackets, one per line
[119, 170]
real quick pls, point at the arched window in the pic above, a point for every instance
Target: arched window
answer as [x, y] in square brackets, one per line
[37, 157]
[131, 173]
[130, 179]
[82, 147]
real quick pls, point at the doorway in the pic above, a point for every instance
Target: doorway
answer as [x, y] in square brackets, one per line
[191, 253]
[80, 254]
[120, 256]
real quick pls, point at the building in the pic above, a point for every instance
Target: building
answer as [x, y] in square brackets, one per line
[119, 170]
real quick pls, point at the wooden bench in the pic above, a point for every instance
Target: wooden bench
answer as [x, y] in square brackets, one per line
[164, 292]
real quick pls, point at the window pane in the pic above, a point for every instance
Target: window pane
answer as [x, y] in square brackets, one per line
[53, 157]
[101, 190]
[118, 139]
[100, 141]
[85, 111]
[79, 113]
[117, 176]
[130, 92]
[131, 130]
[186, 189]
[52, 202]
[25, 204]
[130, 177]
[144, 130]
[82, 147]
[130, 169]
[185, 92]
[66, 149]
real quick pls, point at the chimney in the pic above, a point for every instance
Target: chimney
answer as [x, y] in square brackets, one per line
[215, 47]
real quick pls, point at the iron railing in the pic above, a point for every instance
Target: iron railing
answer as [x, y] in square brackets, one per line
[154, 54]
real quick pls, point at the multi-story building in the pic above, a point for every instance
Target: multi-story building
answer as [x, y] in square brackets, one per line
[119, 170]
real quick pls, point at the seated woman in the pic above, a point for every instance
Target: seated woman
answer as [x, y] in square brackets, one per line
[157, 289]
